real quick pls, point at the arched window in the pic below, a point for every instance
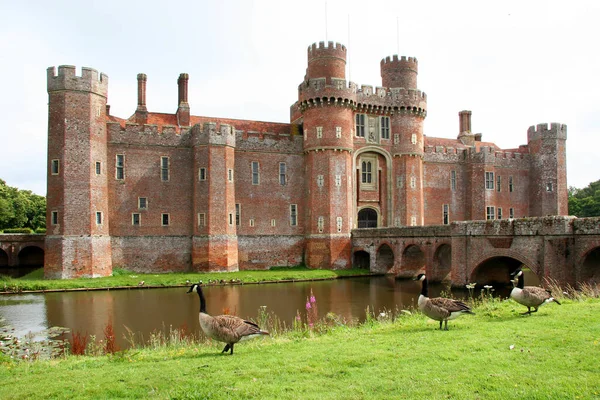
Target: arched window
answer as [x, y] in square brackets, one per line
[367, 218]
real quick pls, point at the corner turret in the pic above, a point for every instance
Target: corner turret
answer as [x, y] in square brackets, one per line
[399, 73]
[326, 61]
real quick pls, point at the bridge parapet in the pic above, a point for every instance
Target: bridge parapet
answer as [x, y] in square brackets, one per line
[586, 226]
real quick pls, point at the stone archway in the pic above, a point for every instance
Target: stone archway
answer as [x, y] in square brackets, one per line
[367, 218]
[413, 261]
[362, 260]
[496, 271]
[385, 259]
[3, 259]
[442, 263]
[590, 269]
[31, 257]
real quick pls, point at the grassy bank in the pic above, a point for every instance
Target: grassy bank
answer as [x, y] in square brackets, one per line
[122, 278]
[496, 354]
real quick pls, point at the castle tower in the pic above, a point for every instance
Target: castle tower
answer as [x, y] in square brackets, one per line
[77, 236]
[215, 244]
[548, 191]
[326, 105]
[410, 109]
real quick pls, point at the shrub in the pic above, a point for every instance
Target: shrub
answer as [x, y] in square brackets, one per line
[18, 230]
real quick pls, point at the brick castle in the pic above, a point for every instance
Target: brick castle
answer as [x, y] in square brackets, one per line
[177, 192]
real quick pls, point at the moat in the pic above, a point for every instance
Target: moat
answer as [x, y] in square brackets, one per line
[148, 310]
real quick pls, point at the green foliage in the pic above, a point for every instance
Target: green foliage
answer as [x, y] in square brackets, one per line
[21, 208]
[585, 202]
[18, 230]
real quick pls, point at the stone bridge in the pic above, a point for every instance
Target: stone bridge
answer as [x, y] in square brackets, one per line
[21, 250]
[566, 249]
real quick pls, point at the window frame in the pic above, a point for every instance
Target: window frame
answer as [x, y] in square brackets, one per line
[120, 167]
[490, 213]
[145, 201]
[202, 174]
[489, 180]
[255, 171]
[133, 219]
[293, 214]
[282, 174]
[384, 127]
[360, 125]
[55, 166]
[445, 214]
[168, 219]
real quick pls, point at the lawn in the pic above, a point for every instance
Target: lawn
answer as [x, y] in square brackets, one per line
[495, 354]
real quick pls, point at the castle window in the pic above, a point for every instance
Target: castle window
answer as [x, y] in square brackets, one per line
[499, 213]
[230, 219]
[338, 180]
[230, 175]
[360, 125]
[446, 214]
[413, 138]
[293, 214]
[498, 183]
[282, 173]
[320, 224]
[320, 180]
[165, 219]
[384, 126]
[164, 169]
[136, 219]
[549, 187]
[202, 174]
[142, 203]
[98, 167]
[366, 173]
[255, 173]
[400, 181]
[54, 167]
[413, 221]
[54, 218]
[396, 138]
[319, 132]
[510, 184]
[338, 132]
[489, 180]
[201, 219]
[98, 217]
[251, 222]
[339, 222]
[511, 213]
[238, 213]
[413, 182]
[120, 167]
[273, 222]
[490, 213]
[453, 180]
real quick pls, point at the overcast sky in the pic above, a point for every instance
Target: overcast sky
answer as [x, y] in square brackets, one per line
[512, 63]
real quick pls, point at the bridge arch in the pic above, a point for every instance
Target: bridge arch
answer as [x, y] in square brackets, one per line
[31, 256]
[413, 260]
[385, 258]
[362, 260]
[442, 262]
[590, 267]
[495, 270]
[3, 258]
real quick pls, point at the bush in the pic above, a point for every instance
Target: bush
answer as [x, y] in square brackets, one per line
[18, 230]
[40, 230]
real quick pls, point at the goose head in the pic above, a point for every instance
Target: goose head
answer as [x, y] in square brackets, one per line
[517, 273]
[194, 288]
[420, 277]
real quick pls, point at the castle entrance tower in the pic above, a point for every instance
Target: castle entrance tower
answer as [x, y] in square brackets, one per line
[77, 235]
[326, 104]
[399, 76]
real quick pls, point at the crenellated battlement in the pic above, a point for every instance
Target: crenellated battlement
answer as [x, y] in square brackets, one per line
[330, 50]
[541, 131]
[406, 62]
[67, 79]
[485, 154]
[147, 134]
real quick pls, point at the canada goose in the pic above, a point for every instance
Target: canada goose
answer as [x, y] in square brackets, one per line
[530, 296]
[440, 308]
[225, 328]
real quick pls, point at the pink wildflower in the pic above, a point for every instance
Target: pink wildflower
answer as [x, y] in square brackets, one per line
[308, 306]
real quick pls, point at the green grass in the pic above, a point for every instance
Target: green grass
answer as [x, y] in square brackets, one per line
[555, 356]
[123, 278]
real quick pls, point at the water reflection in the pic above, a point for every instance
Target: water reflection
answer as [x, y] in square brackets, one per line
[147, 310]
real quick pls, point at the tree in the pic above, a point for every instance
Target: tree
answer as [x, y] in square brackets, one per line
[585, 202]
[21, 208]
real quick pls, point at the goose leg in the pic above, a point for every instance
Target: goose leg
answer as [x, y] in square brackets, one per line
[441, 325]
[231, 348]
[446, 324]
[535, 310]
[227, 348]
[527, 312]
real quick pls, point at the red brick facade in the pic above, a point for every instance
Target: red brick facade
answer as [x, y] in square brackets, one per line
[178, 192]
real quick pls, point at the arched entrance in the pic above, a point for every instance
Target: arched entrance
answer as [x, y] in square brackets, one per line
[590, 270]
[3, 259]
[31, 257]
[367, 218]
[413, 260]
[442, 263]
[496, 271]
[362, 260]
[385, 259]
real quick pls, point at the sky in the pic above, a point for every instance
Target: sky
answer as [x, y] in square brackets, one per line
[514, 64]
